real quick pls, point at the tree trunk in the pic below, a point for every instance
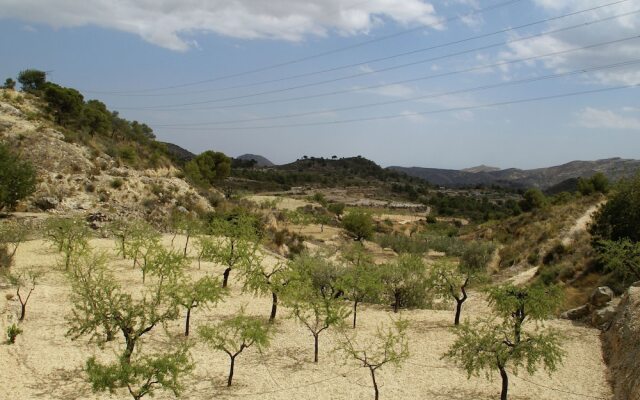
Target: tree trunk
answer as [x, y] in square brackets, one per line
[375, 384]
[186, 325]
[233, 361]
[225, 277]
[458, 311]
[396, 302]
[128, 351]
[274, 307]
[122, 247]
[355, 313]
[185, 245]
[23, 311]
[505, 383]
[315, 348]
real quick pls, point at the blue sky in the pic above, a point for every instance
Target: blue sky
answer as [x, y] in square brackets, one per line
[143, 58]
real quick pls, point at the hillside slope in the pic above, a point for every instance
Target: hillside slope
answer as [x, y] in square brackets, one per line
[73, 176]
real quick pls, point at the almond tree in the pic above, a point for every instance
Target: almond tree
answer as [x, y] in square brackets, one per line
[361, 281]
[264, 279]
[236, 334]
[492, 344]
[404, 281]
[191, 294]
[12, 234]
[69, 236]
[122, 229]
[238, 246]
[388, 346]
[314, 302]
[25, 281]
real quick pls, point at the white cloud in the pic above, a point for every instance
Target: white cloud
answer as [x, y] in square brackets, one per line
[169, 23]
[607, 119]
[610, 30]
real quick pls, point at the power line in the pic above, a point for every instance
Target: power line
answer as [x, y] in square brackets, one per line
[274, 91]
[405, 115]
[430, 96]
[326, 53]
[404, 81]
[385, 58]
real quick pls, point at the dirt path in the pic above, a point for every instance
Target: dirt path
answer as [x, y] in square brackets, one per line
[580, 225]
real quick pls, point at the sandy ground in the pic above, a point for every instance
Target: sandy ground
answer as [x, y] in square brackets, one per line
[44, 364]
[283, 203]
[580, 225]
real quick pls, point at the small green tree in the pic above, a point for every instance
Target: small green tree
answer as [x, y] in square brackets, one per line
[122, 229]
[359, 224]
[619, 217]
[489, 345]
[142, 238]
[12, 234]
[388, 346]
[239, 246]
[533, 199]
[69, 236]
[32, 80]
[9, 83]
[314, 304]
[451, 280]
[65, 104]
[143, 376]
[622, 258]
[405, 281]
[17, 178]
[208, 168]
[191, 294]
[236, 334]
[361, 281]
[25, 281]
[263, 279]
[187, 224]
[336, 208]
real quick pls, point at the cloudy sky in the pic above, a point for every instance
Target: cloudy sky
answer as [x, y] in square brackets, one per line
[440, 83]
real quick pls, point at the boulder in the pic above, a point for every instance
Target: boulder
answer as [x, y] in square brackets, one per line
[602, 317]
[601, 296]
[576, 313]
[46, 203]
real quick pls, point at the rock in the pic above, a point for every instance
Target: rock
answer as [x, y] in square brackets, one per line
[10, 110]
[46, 203]
[576, 313]
[182, 210]
[601, 296]
[635, 284]
[602, 318]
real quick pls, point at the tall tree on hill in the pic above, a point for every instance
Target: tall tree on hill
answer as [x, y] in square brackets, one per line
[32, 80]
[208, 168]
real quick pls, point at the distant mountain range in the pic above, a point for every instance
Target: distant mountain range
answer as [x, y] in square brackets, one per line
[260, 160]
[543, 178]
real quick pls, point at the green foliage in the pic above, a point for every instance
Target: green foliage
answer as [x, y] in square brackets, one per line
[533, 199]
[25, 280]
[619, 218]
[17, 178]
[116, 183]
[405, 282]
[32, 80]
[69, 236]
[12, 234]
[208, 168]
[598, 183]
[476, 256]
[622, 258]
[9, 83]
[13, 331]
[489, 344]
[361, 279]
[97, 118]
[336, 208]
[186, 223]
[388, 346]
[359, 224]
[263, 279]
[236, 334]
[313, 296]
[141, 241]
[402, 244]
[191, 294]
[65, 104]
[143, 376]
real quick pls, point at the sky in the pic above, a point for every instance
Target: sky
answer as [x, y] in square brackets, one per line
[429, 83]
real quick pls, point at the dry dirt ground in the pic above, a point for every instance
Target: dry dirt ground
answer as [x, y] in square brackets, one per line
[44, 364]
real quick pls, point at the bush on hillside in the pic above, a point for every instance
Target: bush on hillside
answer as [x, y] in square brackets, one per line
[17, 178]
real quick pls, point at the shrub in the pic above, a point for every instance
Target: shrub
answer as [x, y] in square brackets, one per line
[12, 332]
[17, 178]
[359, 224]
[116, 183]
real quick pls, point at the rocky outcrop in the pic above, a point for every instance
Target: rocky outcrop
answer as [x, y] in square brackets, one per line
[621, 347]
[599, 311]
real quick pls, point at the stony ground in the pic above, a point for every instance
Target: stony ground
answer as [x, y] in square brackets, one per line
[45, 364]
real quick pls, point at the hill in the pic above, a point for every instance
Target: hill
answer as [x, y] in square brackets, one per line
[481, 168]
[543, 178]
[76, 171]
[260, 160]
[179, 154]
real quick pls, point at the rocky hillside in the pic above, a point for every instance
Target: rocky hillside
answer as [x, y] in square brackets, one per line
[73, 176]
[260, 160]
[613, 168]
